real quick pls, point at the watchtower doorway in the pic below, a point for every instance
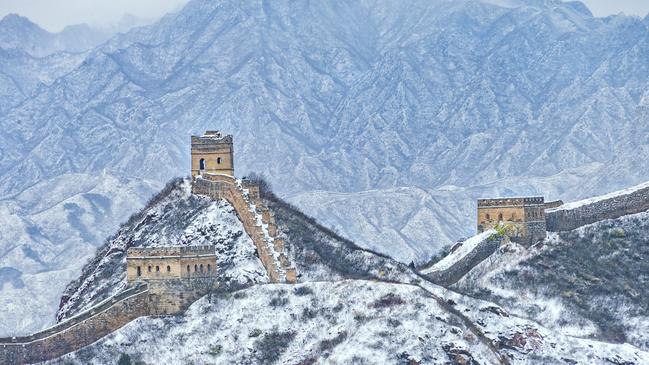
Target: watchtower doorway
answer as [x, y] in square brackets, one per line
[202, 164]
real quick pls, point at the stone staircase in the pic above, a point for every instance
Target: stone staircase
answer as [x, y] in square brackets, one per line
[258, 222]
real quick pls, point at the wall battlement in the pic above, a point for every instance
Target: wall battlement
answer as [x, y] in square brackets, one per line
[162, 263]
[257, 220]
[154, 298]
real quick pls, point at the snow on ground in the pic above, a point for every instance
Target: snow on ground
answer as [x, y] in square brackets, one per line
[346, 322]
[590, 282]
[529, 342]
[465, 248]
[178, 219]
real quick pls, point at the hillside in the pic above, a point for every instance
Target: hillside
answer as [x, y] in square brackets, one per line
[590, 282]
[420, 106]
[351, 306]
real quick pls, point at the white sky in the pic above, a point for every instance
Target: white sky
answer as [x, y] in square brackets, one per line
[608, 7]
[53, 15]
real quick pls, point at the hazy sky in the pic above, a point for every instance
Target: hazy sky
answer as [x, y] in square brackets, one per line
[608, 7]
[53, 15]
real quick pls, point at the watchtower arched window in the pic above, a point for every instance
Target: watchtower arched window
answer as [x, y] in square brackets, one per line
[149, 269]
[139, 271]
[157, 269]
[500, 217]
[195, 268]
[218, 160]
[202, 164]
[188, 269]
[201, 267]
[209, 267]
[488, 217]
[168, 268]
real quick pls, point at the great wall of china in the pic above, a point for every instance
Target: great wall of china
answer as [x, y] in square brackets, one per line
[173, 290]
[258, 221]
[155, 298]
[564, 217]
[158, 283]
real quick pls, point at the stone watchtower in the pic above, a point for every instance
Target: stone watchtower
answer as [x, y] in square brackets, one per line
[212, 153]
[524, 216]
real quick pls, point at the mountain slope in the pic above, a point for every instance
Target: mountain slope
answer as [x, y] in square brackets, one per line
[18, 32]
[352, 305]
[590, 282]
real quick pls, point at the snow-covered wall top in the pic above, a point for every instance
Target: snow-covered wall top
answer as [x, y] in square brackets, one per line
[459, 262]
[613, 205]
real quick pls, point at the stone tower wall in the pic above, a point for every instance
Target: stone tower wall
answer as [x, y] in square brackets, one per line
[216, 151]
[525, 217]
[170, 262]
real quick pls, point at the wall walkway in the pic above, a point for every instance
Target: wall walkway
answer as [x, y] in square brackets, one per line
[258, 222]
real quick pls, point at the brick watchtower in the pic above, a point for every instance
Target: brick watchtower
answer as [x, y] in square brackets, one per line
[212, 153]
[525, 216]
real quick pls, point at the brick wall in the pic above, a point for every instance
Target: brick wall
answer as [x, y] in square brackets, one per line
[455, 272]
[572, 216]
[157, 298]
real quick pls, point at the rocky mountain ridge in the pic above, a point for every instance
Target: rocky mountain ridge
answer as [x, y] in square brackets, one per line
[441, 102]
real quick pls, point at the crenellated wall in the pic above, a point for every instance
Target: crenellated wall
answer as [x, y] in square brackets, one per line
[446, 275]
[574, 215]
[257, 220]
[162, 297]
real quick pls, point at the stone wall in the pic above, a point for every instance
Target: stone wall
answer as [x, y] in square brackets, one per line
[215, 151]
[161, 263]
[157, 298]
[454, 273]
[264, 234]
[524, 217]
[574, 215]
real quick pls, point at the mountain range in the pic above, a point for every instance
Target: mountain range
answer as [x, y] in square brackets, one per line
[385, 120]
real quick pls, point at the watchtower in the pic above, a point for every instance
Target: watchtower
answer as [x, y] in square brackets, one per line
[524, 216]
[212, 153]
[165, 263]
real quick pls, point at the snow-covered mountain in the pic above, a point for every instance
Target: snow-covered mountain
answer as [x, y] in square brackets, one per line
[420, 106]
[590, 282]
[351, 306]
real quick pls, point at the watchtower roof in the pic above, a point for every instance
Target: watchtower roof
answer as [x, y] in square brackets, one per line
[170, 251]
[512, 201]
[212, 138]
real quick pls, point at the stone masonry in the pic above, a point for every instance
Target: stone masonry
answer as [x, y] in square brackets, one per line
[147, 298]
[212, 153]
[571, 216]
[524, 217]
[243, 195]
[257, 220]
[161, 263]
[452, 274]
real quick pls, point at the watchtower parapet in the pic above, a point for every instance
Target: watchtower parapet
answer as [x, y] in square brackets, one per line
[524, 216]
[165, 263]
